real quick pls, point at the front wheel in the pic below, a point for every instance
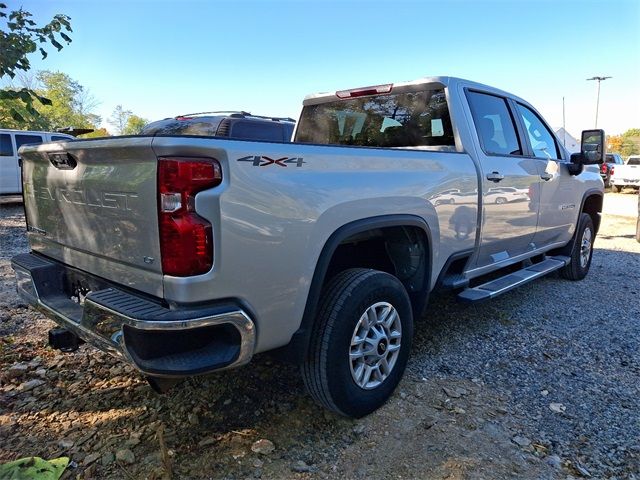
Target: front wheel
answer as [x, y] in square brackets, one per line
[582, 251]
[360, 342]
[618, 188]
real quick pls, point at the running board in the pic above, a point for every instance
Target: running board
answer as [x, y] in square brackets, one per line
[512, 280]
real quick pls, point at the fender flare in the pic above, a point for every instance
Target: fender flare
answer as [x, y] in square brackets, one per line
[300, 339]
[568, 248]
[590, 193]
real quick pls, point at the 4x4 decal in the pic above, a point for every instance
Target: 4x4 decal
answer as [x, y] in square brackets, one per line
[264, 161]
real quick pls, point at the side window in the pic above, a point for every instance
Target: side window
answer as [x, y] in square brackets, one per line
[6, 149]
[25, 139]
[494, 124]
[542, 141]
[58, 138]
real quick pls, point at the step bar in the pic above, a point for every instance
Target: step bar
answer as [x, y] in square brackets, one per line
[512, 280]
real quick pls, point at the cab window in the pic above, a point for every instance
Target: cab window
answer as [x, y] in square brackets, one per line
[409, 119]
[494, 124]
[541, 138]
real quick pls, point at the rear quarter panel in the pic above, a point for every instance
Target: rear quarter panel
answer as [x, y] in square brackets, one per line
[279, 204]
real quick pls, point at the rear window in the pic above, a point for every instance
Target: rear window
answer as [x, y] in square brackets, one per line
[396, 120]
[6, 149]
[27, 139]
[197, 127]
[257, 131]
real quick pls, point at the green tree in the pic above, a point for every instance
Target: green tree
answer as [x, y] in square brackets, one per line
[630, 142]
[20, 36]
[134, 125]
[97, 133]
[119, 119]
[71, 104]
[614, 143]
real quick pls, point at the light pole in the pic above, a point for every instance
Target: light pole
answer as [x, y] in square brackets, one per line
[599, 79]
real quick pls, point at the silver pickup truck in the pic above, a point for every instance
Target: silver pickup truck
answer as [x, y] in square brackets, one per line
[185, 255]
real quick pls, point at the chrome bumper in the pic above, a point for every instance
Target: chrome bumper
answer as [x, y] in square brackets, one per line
[157, 340]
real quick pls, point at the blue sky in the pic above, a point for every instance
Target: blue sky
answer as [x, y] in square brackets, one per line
[163, 58]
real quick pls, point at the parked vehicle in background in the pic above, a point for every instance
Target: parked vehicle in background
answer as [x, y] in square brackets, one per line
[627, 175]
[238, 125]
[10, 142]
[205, 251]
[607, 168]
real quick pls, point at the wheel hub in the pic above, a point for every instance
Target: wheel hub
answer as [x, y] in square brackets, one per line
[585, 247]
[375, 345]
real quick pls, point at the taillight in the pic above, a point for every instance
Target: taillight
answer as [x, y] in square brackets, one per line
[186, 239]
[611, 169]
[361, 92]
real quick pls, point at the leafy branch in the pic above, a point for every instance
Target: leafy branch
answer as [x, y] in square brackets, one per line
[21, 38]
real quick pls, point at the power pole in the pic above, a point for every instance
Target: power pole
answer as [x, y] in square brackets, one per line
[599, 79]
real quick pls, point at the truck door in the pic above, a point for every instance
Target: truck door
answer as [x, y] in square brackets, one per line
[558, 193]
[510, 215]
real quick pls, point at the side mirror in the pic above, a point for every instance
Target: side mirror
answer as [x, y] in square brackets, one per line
[592, 148]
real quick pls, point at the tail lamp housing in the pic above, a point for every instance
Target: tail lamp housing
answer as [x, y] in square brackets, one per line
[186, 238]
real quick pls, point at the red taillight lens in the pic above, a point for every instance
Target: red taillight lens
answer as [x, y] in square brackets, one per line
[186, 239]
[611, 169]
[361, 92]
[603, 168]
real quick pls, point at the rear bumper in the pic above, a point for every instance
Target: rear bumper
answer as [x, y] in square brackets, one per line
[625, 182]
[158, 341]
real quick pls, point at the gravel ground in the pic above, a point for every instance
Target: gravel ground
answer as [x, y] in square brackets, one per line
[542, 382]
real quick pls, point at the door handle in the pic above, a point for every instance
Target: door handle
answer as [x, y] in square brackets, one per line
[495, 177]
[546, 176]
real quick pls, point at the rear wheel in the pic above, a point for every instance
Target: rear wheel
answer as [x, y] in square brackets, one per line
[360, 343]
[582, 251]
[618, 188]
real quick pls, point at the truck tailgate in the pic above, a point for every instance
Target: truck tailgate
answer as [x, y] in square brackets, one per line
[93, 205]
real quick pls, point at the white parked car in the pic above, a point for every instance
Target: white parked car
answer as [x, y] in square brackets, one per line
[627, 175]
[10, 142]
[506, 194]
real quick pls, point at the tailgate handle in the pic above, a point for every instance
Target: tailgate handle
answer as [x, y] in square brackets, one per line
[62, 161]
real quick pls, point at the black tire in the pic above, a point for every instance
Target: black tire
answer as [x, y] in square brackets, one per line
[618, 188]
[327, 370]
[501, 201]
[578, 268]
